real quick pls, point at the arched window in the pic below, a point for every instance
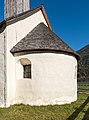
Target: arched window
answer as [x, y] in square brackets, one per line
[26, 63]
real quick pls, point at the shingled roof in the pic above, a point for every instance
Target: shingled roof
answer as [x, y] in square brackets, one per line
[42, 38]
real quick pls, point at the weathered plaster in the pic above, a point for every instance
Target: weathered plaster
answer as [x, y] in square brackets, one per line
[2, 69]
[15, 32]
[53, 80]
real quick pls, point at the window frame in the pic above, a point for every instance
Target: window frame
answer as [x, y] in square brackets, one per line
[27, 71]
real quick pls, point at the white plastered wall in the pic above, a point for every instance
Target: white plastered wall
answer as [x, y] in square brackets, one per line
[2, 68]
[15, 32]
[53, 80]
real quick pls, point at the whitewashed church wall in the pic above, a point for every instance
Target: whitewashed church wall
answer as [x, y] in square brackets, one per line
[15, 32]
[20, 29]
[53, 80]
[2, 69]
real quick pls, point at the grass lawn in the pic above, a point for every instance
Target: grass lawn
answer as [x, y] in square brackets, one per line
[78, 110]
[83, 88]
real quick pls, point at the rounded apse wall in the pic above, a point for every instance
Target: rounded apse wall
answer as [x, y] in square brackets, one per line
[54, 80]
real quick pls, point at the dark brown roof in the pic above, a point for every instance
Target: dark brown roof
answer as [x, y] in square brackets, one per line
[23, 15]
[42, 38]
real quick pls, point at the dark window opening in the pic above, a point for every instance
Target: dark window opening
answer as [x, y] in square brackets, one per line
[27, 71]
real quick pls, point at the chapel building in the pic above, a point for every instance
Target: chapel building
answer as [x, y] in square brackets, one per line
[36, 66]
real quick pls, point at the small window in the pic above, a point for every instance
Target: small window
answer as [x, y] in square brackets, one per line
[27, 71]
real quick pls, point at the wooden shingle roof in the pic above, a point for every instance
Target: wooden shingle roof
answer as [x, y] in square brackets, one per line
[42, 38]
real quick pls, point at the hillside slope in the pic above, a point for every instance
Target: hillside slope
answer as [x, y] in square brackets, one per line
[83, 66]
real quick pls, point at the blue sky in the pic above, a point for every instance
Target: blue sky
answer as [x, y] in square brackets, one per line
[68, 18]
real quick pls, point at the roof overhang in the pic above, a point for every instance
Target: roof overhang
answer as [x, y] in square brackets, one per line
[34, 51]
[26, 14]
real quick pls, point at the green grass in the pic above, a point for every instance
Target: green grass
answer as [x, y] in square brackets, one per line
[83, 88]
[76, 111]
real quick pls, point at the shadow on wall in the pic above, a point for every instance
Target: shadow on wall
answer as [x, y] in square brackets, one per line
[76, 113]
[2, 26]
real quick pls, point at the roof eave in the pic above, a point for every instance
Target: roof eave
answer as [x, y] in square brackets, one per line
[77, 56]
[46, 17]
